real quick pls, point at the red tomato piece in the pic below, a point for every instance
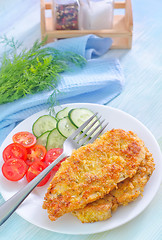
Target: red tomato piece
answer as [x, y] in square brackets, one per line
[52, 155]
[34, 170]
[26, 139]
[14, 169]
[14, 150]
[35, 154]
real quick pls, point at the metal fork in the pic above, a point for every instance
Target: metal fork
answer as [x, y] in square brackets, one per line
[76, 140]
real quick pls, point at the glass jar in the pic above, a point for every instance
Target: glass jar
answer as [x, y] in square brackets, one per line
[96, 14]
[66, 14]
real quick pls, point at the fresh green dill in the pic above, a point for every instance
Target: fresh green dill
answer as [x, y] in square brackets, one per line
[31, 71]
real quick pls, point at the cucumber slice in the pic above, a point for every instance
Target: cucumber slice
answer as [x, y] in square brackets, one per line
[55, 140]
[78, 116]
[43, 124]
[63, 113]
[42, 140]
[65, 127]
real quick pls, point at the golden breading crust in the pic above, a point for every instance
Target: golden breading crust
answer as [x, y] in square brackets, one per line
[96, 211]
[126, 191]
[92, 171]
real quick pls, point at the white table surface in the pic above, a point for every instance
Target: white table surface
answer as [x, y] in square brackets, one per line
[141, 97]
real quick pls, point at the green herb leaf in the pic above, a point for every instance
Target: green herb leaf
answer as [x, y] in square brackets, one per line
[32, 71]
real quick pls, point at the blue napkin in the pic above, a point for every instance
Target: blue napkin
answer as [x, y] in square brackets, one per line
[98, 82]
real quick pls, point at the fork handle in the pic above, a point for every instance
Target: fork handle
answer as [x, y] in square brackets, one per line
[9, 207]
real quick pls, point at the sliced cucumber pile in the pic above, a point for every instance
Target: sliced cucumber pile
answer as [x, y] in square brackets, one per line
[43, 124]
[51, 132]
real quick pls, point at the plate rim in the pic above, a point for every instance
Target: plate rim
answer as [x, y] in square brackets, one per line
[113, 109]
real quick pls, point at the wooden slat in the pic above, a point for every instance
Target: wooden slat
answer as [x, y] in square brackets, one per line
[119, 22]
[48, 5]
[118, 5]
[128, 15]
[43, 24]
[76, 33]
[129, 20]
[53, 16]
[121, 43]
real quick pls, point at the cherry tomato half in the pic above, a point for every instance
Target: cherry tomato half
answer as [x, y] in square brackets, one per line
[14, 150]
[35, 154]
[14, 169]
[34, 170]
[26, 139]
[52, 155]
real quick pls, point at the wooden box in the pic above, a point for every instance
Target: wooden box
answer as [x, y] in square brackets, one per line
[121, 33]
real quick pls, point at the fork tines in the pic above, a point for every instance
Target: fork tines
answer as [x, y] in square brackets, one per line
[82, 137]
[97, 134]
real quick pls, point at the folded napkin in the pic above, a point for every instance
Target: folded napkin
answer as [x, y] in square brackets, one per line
[98, 82]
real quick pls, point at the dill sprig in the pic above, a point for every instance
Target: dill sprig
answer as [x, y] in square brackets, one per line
[31, 71]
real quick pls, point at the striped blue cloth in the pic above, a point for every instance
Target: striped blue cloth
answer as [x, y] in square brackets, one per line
[98, 82]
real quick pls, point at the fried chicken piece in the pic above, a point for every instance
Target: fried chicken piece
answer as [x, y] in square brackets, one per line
[126, 191]
[92, 171]
[97, 211]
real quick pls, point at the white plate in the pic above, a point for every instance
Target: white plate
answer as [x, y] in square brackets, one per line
[31, 208]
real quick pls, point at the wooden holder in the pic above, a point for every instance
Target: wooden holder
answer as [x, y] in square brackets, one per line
[121, 33]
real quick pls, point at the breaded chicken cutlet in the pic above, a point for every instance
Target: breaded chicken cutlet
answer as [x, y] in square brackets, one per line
[92, 171]
[126, 191]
